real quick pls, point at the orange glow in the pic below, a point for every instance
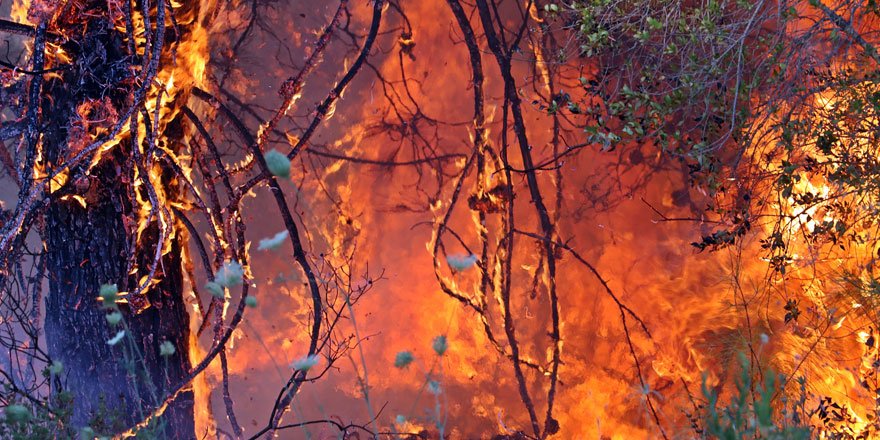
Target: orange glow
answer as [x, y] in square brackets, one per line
[411, 206]
[693, 304]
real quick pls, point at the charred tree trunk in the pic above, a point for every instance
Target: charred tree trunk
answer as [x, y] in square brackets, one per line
[92, 239]
[113, 386]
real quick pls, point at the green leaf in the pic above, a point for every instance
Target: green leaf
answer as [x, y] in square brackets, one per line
[440, 345]
[278, 164]
[166, 348]
[403, 359]
[230, 274]
[273, 242]
[250, 301]
[114, 318]
[56, 368]
[216, 289]
[17, 413]
[109, 294]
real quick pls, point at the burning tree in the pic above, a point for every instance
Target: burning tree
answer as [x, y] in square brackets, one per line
[96, 166]
[111, 160]
[149, 141]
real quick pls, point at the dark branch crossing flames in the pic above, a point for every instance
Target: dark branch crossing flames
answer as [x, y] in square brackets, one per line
[439, 219]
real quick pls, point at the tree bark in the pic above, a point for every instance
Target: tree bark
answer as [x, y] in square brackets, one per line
[113, 386]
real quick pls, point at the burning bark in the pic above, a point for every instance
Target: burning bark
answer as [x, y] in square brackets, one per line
[107, 239]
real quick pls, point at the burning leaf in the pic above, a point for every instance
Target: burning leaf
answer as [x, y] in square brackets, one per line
[93, 118]
[274, 242]
[76, 197]
[278, 163]
[791, 310]
[460, 263]
[305, 363]
[115, 340]
[492, 201]
[407, 44]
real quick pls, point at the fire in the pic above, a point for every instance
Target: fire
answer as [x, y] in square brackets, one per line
[410, 309]
[834, 345]
[421, 218]
[167, 90]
